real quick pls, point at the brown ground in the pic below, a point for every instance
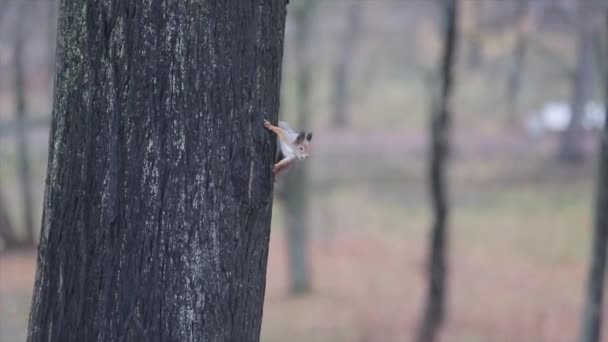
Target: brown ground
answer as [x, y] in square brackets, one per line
[370, 288]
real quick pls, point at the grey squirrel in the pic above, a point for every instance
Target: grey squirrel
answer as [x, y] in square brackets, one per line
[293, 145]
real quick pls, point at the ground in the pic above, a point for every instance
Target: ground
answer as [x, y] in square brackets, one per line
[518, 264]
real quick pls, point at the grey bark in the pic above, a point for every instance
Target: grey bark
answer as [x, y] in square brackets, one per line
[23, 156]
[342, 69]
[592, 314]
[518, 61]
[296, 189]
[158, 201]
[434, 313]
[571, 140]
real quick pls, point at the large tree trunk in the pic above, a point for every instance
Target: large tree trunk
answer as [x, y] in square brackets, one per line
[517, 61]
[440, 122]
[23, 156]
[297, 189]
[158, 203]
[571, 141]
[592, 318]
[343, 66]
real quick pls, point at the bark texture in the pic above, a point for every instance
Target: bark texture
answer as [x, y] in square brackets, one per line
[440, 122]
[592, 316]
[158, 201]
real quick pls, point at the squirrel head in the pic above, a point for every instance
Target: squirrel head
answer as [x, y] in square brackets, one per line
[302, 145]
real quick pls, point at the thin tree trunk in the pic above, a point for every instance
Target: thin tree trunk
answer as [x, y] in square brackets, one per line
[52, 38]
[7, 234]
[592, 317]
[158, 202]
[518, 61]
[438, 244]
[571, 141]
[23, 156]
[344, 63]
[475, 56]
[297, 189]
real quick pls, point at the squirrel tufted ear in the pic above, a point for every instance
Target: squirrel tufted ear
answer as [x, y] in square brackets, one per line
[309, 136]
[300, 138]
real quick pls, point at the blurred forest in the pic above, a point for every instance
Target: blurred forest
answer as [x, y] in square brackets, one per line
[351, 225]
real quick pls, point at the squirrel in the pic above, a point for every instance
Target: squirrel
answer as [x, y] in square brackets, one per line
[293, 145]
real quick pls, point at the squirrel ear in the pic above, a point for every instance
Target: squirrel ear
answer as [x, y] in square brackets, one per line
[300, 138]
[309, 136]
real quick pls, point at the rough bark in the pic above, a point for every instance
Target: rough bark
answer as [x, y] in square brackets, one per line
[158, 201]
[571, 140]
[592, 316]
[434, 313]
[342, 69]
[517, 61]
[23, 156]
[297, 179]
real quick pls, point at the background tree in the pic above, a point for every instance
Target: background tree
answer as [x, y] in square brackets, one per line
[439, 129]
[517, 63]
[24, 168]
[571, 141]
[342, 68]
[297, 182]
[592, 317]
[159, 192]
[52, 9]
[475, 35]
[7, 234]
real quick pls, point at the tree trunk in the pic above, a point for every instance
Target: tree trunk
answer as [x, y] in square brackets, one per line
[158, 202]
[592, 317]
[475, 56]
[297, 180]
[517, 62]
[52, 38]
[571, 141]
[438, 244]
[343, 66]
[23, 156]
[7, 234]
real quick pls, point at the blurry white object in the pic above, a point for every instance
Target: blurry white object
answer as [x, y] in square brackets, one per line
[595, 115]
[556, 116]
